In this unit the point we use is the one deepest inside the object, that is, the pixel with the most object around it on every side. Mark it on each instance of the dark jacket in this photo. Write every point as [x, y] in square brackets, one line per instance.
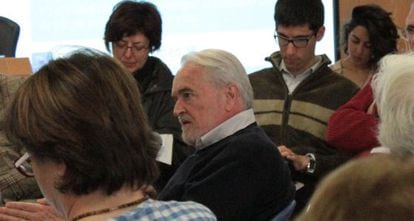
[155, 83]
[241, 177]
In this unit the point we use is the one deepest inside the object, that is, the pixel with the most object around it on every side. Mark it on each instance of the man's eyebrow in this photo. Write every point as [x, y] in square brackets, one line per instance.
[184, 90]
[297, 36]
[181, 91]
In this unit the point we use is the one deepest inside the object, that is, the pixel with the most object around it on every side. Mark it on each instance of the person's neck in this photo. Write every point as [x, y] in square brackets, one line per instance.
[350, 64]
[96, 201]
[309, 65]
[358, 73]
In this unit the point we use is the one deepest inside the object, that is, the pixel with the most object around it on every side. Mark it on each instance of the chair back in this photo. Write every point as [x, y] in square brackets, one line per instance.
[9, 34]
[285, 214]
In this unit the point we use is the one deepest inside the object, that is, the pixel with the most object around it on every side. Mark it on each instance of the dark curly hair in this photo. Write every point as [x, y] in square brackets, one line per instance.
[132, 17]
[382, 31]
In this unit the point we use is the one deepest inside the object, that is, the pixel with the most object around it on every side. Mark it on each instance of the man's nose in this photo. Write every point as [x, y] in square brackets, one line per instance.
[290, 48]
[178, 108]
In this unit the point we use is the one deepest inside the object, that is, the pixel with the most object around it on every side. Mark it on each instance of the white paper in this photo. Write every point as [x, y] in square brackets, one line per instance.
[166, 150]
[385, 150]
[298, 185]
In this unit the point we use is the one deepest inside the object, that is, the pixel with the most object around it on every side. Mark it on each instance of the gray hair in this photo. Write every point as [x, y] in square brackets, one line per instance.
[393, 89]
[223, 68]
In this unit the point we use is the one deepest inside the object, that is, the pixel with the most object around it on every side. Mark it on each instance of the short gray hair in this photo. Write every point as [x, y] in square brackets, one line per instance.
[223, 68]
[393, 88]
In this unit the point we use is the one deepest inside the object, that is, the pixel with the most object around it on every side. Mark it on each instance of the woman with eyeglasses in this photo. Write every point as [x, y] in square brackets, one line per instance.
[370, 35]
[132, 32]
[92, 152]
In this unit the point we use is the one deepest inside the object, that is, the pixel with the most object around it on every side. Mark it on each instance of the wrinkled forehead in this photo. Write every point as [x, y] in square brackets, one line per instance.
[188, 76]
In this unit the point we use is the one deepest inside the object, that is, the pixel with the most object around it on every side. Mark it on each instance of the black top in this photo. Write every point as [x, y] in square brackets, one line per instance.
[155, 83]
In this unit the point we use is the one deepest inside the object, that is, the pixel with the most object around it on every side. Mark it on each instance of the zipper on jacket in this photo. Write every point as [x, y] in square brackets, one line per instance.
[285, 118]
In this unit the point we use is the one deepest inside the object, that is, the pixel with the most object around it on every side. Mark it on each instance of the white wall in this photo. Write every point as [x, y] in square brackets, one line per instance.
[244, 28]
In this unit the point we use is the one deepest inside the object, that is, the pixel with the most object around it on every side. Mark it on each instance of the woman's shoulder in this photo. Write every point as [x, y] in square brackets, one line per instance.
[337, 67]
[164, 210]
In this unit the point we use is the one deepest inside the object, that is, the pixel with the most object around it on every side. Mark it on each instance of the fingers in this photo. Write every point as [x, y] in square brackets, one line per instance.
[18, 211]
[282, 147]
[24, 206]
[299, 161]
[39, 211]
[42, 201]
[284, 151]
[7, 214]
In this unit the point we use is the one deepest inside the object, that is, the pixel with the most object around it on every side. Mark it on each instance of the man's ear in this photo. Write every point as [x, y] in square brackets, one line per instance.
[232, 96]
[320, 33]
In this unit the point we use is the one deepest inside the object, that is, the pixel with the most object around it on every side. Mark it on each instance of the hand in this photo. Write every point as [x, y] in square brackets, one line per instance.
[300, 162]
[40, 211]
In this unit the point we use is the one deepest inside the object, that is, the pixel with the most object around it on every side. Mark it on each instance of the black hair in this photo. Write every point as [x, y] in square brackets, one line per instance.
[300, 12]
[132, 17]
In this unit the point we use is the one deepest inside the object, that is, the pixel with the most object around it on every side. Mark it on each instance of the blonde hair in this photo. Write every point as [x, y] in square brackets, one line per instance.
[377, 188]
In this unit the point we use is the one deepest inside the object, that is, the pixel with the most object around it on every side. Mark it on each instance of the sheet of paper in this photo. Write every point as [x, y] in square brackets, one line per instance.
[166, 151]
[385, 150]
[298, 185]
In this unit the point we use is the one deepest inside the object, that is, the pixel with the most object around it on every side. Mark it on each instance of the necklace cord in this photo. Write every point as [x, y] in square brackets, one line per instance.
[107, 210]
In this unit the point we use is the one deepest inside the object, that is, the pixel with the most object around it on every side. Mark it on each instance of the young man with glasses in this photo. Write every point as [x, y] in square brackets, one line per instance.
[295, 97]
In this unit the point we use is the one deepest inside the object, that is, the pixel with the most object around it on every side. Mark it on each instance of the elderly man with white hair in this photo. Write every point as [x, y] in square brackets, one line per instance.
[394, 95]
[236, 170]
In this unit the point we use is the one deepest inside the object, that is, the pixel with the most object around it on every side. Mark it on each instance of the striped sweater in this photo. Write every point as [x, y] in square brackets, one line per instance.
[299, 119]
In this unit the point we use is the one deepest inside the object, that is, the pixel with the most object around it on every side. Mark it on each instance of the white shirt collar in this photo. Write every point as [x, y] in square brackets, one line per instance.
[311, 69]
[292, 81]
[227, 128]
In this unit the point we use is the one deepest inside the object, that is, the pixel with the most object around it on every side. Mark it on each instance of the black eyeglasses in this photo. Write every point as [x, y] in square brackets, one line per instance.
[123, 46]
[299, 42]
[23, 165]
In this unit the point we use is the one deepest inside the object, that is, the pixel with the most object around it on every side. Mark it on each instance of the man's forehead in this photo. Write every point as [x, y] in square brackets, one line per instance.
[302, 27]
[186, 77]
[297, 30]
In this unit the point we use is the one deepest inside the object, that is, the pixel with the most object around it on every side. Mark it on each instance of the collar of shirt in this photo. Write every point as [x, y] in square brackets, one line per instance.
[292, 81]
[227, 128]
